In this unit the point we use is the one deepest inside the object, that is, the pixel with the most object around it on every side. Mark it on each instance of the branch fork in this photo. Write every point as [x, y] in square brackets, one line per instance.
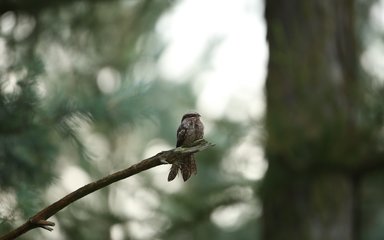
[47, 225]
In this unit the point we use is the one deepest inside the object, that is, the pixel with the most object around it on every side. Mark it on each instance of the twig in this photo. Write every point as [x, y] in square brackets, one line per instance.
[165, 157]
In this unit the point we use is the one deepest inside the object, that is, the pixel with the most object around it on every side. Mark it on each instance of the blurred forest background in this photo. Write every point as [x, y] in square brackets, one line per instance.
[82, 96]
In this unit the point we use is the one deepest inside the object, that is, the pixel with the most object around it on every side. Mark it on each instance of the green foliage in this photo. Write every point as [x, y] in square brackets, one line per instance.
[26, 142]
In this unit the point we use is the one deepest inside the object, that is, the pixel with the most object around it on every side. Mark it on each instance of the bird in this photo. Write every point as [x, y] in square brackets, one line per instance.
[190, 130]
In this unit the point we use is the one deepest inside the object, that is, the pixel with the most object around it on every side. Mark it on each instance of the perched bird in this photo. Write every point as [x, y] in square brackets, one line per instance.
[190, 130]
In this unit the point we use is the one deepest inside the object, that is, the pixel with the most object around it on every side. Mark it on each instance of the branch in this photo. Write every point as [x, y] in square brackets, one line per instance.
[165, 157]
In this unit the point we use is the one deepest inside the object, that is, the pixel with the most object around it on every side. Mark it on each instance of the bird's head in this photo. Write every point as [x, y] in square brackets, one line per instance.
[189, 115]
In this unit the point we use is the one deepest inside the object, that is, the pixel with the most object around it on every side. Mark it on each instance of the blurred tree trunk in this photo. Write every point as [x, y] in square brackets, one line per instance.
[312, 99]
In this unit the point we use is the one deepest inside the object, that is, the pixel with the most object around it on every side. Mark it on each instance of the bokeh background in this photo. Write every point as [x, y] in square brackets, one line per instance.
[91, 87]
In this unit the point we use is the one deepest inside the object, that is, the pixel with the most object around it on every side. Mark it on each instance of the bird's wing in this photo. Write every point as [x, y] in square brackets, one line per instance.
[181, 134]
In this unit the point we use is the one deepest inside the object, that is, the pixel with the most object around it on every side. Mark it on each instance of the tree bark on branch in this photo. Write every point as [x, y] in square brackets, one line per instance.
[164, 157]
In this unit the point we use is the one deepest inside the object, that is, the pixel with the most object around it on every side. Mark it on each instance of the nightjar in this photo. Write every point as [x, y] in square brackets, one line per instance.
[190, 130]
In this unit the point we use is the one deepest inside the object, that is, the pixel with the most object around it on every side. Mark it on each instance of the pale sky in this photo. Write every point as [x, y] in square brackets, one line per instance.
[372, 57]
[236, 76]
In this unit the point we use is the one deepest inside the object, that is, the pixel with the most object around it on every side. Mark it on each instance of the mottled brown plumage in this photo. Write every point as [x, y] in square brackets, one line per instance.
[190, 130]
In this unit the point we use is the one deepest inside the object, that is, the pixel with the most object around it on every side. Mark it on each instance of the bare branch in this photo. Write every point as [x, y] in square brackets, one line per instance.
[165, 157]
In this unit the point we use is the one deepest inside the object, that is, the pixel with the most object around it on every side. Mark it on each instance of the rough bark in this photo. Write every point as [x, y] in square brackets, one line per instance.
[312, 145]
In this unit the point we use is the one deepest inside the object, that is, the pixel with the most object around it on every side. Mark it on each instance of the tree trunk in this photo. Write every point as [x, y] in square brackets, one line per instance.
[312, 94]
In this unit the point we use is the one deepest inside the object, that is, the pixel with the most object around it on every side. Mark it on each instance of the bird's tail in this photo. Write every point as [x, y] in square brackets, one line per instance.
[173, 171]
[187, 167]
